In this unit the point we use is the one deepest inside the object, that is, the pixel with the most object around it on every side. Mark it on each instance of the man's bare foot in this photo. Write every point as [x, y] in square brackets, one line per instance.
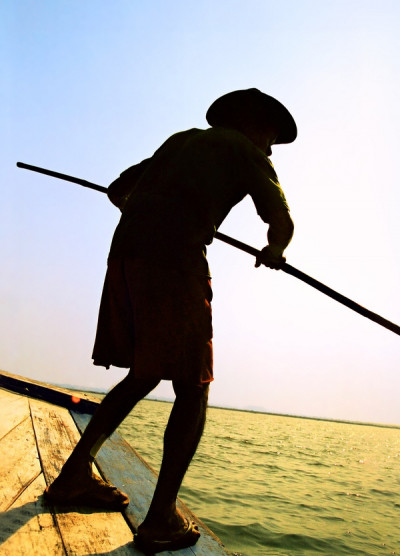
[87, 489]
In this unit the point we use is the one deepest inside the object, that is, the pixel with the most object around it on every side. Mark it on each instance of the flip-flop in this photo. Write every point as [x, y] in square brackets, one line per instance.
[99, 494]
[188, 537]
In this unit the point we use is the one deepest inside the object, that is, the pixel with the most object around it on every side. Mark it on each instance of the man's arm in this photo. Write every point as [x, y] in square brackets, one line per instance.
[119, 191]
[272, 207]
[279, 235]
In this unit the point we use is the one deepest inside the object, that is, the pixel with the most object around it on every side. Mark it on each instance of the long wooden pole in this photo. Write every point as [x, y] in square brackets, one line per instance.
[252, 251]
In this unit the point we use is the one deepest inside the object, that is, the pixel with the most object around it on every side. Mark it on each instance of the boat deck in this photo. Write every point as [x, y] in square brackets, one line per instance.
[39, 427]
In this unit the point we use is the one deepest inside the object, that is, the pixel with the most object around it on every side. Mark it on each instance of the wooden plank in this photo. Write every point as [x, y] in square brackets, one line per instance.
[28, 528]
[95, 533]
[56, 436]
[13, 410]
[83, 530]
[19, 462]
[125, 468]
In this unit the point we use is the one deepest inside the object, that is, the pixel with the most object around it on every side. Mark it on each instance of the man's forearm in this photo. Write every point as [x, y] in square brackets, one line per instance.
[280, 232]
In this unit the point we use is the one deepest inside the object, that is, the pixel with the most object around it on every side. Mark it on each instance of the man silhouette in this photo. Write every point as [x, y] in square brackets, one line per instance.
[155, 311]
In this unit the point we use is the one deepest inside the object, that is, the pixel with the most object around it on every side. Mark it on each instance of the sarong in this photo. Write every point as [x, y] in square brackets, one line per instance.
[157, 321]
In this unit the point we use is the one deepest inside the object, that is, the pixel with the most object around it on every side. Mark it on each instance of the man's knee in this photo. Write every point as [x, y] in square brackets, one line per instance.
[191, 391]
[131, 382]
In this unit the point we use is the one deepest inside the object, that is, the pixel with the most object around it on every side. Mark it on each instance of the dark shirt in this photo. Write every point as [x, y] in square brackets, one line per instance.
[173, 203]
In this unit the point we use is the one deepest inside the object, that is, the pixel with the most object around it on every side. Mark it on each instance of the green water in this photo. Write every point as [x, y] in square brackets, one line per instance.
[268, 484]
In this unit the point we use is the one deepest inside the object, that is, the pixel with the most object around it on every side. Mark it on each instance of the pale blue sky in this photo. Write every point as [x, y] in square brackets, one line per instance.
[89, 88]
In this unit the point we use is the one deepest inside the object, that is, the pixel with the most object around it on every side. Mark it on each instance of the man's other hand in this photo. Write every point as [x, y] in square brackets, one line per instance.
[270, 257]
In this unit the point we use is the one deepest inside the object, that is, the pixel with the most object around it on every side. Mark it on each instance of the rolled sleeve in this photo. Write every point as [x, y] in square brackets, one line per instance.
[265, 190]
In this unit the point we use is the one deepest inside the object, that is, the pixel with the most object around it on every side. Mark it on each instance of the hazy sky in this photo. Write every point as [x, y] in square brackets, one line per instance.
[90, 88]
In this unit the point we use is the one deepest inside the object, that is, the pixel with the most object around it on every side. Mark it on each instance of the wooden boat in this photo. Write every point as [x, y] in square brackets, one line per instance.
[39, 427]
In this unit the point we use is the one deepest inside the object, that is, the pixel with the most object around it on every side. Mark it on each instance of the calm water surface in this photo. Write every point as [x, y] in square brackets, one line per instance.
[267, 484]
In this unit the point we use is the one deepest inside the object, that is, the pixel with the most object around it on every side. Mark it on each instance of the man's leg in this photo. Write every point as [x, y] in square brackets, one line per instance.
[182, 436]
[76, 474]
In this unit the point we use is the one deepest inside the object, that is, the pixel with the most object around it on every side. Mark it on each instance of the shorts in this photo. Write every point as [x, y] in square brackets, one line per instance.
[157, 321]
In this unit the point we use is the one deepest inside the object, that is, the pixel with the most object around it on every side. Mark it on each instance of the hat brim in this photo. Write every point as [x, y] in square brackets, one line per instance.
[254, 107]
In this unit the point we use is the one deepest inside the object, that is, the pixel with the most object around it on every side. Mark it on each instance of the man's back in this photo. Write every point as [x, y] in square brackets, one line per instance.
[180, 196]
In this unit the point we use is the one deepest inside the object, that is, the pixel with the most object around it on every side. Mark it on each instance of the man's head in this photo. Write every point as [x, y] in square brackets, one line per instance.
[252, 111]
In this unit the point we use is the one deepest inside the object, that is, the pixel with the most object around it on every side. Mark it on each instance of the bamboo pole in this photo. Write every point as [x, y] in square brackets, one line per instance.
[250, 250]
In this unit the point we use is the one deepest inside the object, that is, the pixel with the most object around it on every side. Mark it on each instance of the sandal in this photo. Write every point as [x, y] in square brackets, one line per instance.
[97, 494]
[185, 538]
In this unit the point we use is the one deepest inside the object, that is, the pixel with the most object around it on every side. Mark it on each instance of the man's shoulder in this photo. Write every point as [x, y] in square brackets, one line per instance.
[218, 137]
[182, 136]
[211, 145]
[212, 133]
